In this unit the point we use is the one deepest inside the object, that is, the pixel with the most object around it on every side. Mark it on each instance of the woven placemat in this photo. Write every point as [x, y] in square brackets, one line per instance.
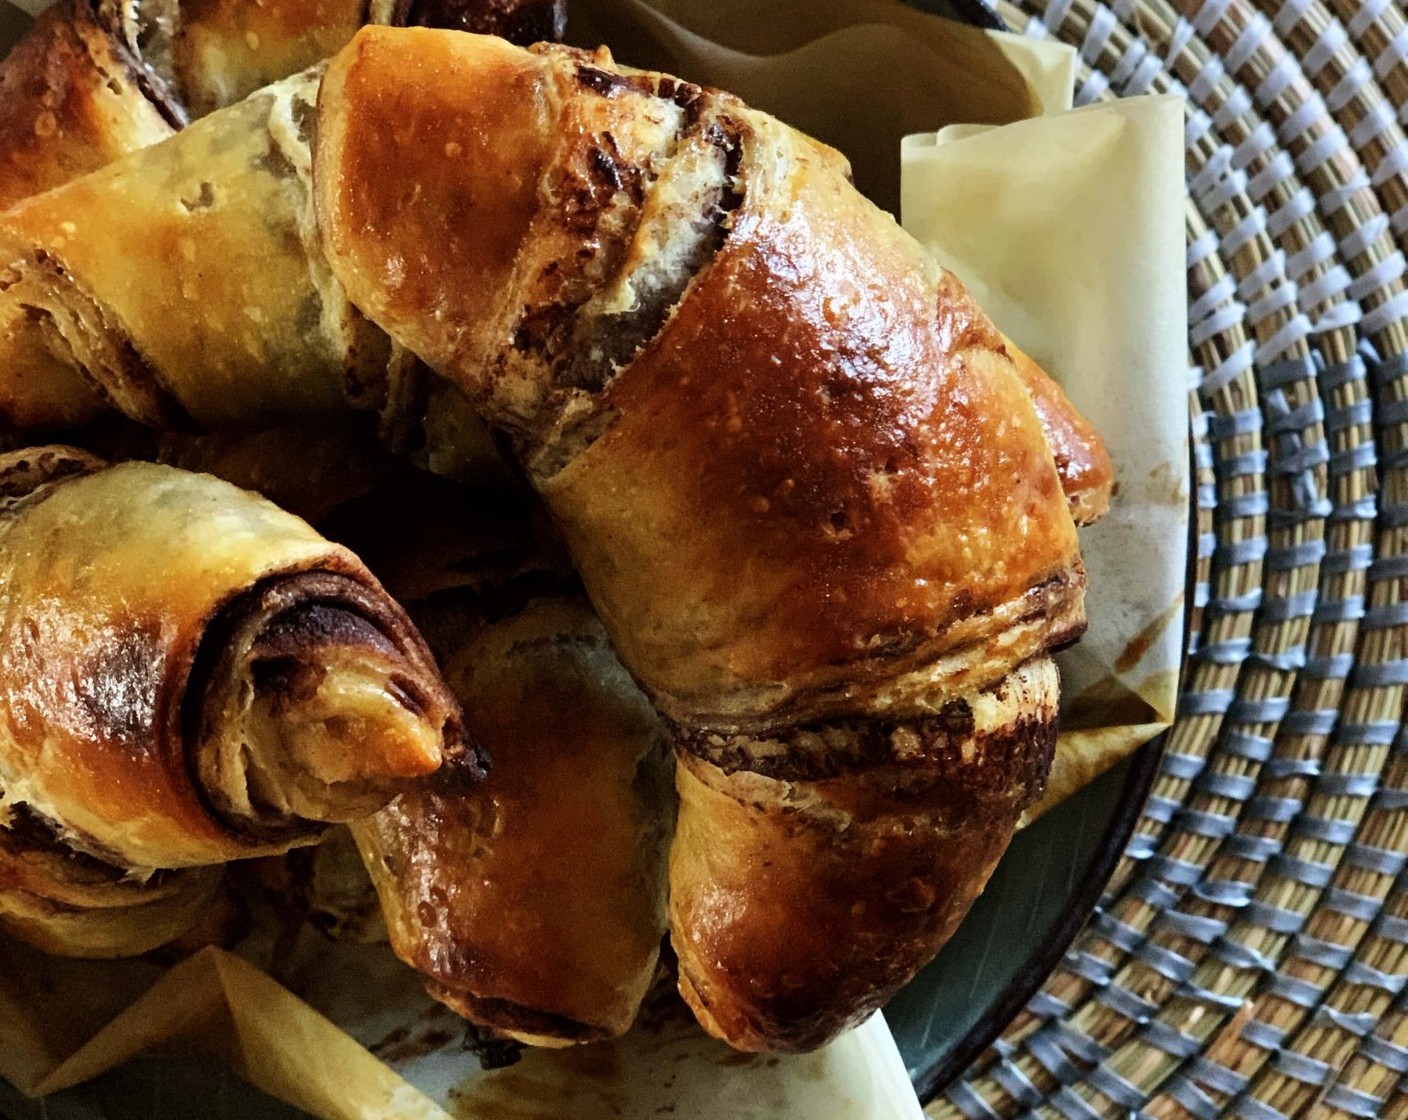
[1250, 954]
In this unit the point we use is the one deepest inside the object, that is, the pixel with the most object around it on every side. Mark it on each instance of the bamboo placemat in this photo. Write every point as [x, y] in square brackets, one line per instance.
[1250, 954]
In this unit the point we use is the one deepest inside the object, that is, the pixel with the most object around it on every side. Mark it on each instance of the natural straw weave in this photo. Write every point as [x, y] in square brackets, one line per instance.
[1250, 954]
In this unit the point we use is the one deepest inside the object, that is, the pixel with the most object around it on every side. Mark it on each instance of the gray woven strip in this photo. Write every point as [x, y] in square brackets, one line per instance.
[1377, 733]
[1354, 1102]
[1198, 1103]
[1183, 766]
[1266, 709]
[1244, 744]
[1082, 1046]
[1305, 871]
[1249, 1108]
[1255, 504]
[1231, 651]
[1224, 892]
[1295, 990]
[1263, 1034]
[1350, 785]
[1354, 559]
[1286, 557]
[1393, 412]
[1275, 918]
[1394, 516]
[1312, 1071]
[1216, 1076]
[1117, 933]
[1274, 808]
[969, 1101]
[1258, 849]
[1389, 567]
[1198, 927]
[1299, 605]
[1247, 463]
[1230, 425]
[1300, 460]
[1359, 1025]
[1089, 967]
[1202, 823]
[1044, 1005]
[1335, 374]
[1243, 956]
[1249, 551]
[1274, 375]
[1389, 614]
[1072, 1106]
[1391, 799]
[1380, 676]
[1279, 768]
[1285, 420]
[1156, 894]
[1328, 954]
[1361, 509]
[1116, 1088]
[1388, 1054]
[1385, 861]
[1319, 722]
[1161, 809]
[1334, 666]
[1211, 702]
[1359, 457]
[1222, 1002]
[1393, 927]
[1176, 871]
[1166, 962]
[1325, 829]
[1347, 416]
[1133, 1007]
[1015, 1082]
[1234, 787]
[1348, 609]
[1384, 370]
[1362, 906]
[1051, 1056]
[1360, 973]
[1236, 604]
[1159, 1034]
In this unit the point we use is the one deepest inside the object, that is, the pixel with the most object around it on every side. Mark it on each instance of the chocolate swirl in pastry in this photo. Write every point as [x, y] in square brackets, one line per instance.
[189, 675]
[806, 487]
[95, 79]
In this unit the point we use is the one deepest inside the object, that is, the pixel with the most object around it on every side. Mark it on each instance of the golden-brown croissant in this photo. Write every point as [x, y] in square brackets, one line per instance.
[188, 675]
[95, 79]
[805, 484]
[534, 903]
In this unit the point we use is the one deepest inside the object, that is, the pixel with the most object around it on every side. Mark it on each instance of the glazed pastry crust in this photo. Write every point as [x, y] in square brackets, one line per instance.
[805, 483]
[186, 668]
[71, 101]
[888, 481]
[535, 904]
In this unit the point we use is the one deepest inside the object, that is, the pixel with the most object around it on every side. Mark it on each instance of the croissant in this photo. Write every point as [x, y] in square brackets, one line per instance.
[188, 675]
[95, 79]
[533, 904]
[806, 487]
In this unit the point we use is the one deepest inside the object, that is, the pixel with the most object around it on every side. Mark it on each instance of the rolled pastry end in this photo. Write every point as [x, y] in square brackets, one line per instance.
[810, 879]
[320, 703]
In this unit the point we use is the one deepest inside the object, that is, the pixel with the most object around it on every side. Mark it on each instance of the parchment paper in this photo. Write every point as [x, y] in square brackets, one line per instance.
[1088, 205]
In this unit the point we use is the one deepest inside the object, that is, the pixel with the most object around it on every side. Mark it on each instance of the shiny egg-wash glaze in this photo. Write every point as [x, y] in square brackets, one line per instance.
[188, 675]
[805, 484]
[95, 79]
